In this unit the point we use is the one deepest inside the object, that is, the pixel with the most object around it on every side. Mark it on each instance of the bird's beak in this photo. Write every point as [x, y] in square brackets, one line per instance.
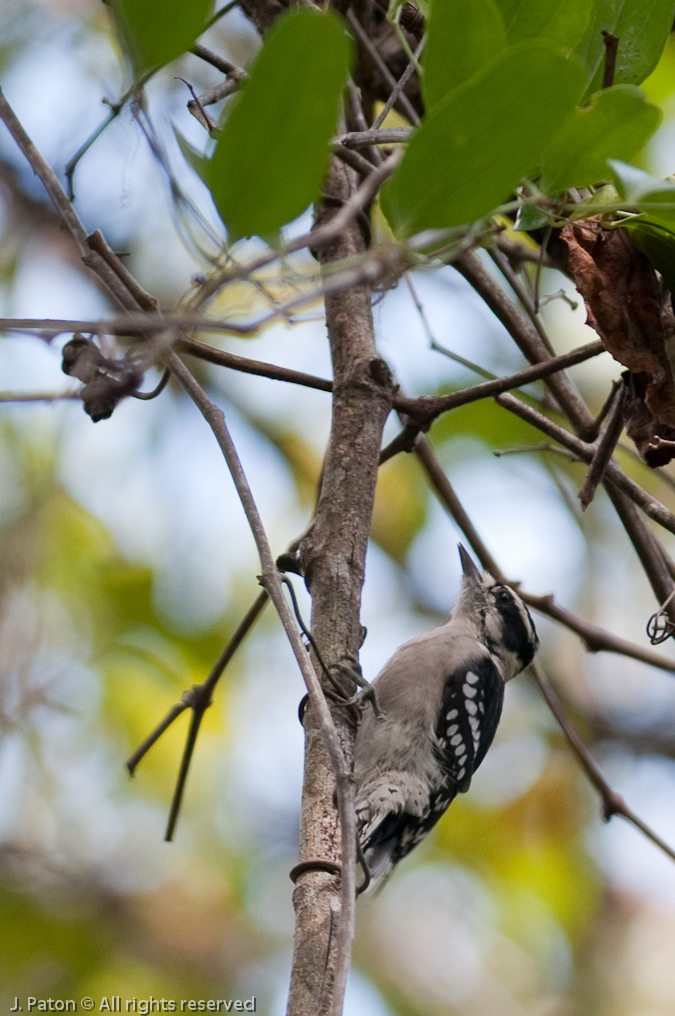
[468, 567]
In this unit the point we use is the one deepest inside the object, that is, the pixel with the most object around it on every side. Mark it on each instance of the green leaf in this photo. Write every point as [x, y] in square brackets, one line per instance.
[644, 191]
[153, 32]
[659, 246]
[273, 152]
[529, 217]
[633, 183]
[616, 124]
[642, 27]
[199, 162]
[559, 21]
[464, 35]
[482, 139]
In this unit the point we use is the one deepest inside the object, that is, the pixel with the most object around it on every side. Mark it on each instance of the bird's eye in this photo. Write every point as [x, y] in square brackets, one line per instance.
[503, 596]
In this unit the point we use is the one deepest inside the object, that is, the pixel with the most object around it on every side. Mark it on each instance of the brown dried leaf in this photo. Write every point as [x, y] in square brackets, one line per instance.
[654, 441]
[625, 306]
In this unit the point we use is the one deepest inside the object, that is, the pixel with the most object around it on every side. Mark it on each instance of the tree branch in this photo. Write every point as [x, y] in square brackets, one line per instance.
[246, 366]
[449, 499]
[425, 409]
[612, 803]
[404, 102]
[595, 639]
[373, 136]
[332, 557]
[502, 263]
[397, 90]
[604, 447]
[198, 699]
[527, 339]
[651, 506]
[38, 396]
[652, 556]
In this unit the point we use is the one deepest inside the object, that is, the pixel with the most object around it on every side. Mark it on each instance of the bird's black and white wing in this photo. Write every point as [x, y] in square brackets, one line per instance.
[471, 708]
[472, 705]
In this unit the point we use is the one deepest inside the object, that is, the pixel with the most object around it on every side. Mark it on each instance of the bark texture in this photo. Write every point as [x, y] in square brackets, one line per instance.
[333, 560]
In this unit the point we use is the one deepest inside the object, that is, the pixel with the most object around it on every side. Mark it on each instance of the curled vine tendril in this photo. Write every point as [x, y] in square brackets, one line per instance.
[659, 625]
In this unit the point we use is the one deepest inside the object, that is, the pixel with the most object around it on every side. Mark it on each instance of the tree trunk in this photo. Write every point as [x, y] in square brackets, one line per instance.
[333, 560]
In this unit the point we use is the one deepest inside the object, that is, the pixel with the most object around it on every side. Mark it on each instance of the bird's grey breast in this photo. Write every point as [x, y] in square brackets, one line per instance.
[410, 690]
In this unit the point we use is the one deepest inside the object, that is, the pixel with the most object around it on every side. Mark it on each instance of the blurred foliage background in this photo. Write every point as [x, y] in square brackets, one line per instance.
[125, 564]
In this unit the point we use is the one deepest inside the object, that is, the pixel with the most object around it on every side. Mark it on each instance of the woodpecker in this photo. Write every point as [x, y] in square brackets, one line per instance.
[440, 697]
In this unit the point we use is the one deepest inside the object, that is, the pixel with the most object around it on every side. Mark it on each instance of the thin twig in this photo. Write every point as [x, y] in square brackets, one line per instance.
[544, 446]
[200, 701]
[419, 306]
[132, 324]
[595, 639]
[98, 243]
[157, 390]
[200, 695]
[540, 263]
[559, 294]
[139, 324]
[215, 59]
[400, 85]
[652, 555]
[612, 803]
[651, 506]
[514, 282]
[72, 164]
[382, 136]
[197, 110]
[271, 581]
[518, 252]
[611, 49]
[115, 109]
[234, 77]
[449, 499]
[426, 408]
[403, 100]
[186, 759]
[59, 199]
[246, 366]
[363, 167]
[602, 416]
[221, 13]
[46, 175]
[37, 396]
[604, 448]
[323, 235]
[462, 360]
[356, 119]
[526, 338]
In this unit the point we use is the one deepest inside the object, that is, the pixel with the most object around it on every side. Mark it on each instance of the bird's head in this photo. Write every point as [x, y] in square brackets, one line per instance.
[498, 615]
